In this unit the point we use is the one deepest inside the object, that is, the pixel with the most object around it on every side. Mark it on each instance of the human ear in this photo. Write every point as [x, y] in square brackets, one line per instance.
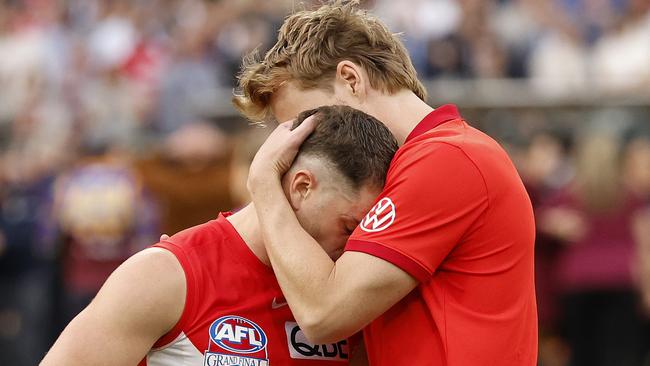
[301, 186]
[350, 79]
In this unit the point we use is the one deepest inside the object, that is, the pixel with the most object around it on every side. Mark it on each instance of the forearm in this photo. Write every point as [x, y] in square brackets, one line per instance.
[305, 272]
[330, 300]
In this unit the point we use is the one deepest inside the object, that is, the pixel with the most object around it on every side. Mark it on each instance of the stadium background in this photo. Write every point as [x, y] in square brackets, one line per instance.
[116, 125]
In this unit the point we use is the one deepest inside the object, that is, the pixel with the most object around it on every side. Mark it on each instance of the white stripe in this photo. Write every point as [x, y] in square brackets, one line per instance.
[180, 352]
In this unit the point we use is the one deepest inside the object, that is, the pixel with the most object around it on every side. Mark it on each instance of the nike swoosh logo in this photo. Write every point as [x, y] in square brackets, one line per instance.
[276, 305]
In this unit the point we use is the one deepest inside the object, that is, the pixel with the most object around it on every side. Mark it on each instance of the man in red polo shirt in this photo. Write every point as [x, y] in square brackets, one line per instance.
[440, 271]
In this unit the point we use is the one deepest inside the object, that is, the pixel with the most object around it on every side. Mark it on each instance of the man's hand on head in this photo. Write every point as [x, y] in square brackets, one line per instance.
[276, 155]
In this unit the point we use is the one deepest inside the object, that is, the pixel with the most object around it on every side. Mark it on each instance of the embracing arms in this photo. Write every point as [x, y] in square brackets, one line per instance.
[330, 300]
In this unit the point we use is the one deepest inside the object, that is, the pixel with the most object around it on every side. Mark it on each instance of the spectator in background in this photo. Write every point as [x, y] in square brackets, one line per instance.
[559, 58]
[622, 56]
[484, 54]
[102, 216]
[517, 27]
[636, 162]
[636, 166]
[35, 131]
[422, 22]
[191, 80]
[593, 217]
[189, 176]
[545, 168]
[25, 265]
[445, 58]
[448, 38]
[245, 147]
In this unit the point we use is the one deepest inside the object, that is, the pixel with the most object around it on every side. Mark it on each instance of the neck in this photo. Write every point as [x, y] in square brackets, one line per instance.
[247, 225]
[401, 112]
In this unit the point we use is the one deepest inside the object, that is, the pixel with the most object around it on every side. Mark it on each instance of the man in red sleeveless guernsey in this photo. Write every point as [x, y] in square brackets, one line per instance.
[440, 272]
[208, 296]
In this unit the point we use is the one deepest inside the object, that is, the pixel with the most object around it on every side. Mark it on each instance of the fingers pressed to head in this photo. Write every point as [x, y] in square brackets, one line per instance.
[306, 127]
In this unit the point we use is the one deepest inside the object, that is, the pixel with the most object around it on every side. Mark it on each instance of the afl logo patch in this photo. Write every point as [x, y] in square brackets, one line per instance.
[380, 216]
[238, 335]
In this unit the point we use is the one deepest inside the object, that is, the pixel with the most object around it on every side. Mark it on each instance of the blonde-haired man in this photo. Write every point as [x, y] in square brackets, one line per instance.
[440, 271]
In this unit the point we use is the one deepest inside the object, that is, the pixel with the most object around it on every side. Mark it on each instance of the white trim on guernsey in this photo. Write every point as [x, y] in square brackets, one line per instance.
[180, 352]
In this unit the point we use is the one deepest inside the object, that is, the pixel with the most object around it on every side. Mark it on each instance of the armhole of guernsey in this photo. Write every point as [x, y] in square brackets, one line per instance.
[188, 308]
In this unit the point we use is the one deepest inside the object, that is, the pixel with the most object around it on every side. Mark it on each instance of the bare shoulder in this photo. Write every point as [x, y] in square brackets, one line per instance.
[154, 281]
[155, 261]
[141, 301]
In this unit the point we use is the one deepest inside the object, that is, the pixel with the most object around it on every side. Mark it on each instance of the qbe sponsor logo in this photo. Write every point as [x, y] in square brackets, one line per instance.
[380, 216]
[244, 341]
[301, 348]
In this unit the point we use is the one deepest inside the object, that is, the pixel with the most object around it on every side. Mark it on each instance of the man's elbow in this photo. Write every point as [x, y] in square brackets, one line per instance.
[319, 329]
[320, 335]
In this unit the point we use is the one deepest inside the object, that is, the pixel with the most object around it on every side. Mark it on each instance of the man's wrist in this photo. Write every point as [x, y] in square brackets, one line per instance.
[262, 180]
[265, 189]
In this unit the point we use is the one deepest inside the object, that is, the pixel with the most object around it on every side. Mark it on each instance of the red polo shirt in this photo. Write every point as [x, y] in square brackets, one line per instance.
[455, 215]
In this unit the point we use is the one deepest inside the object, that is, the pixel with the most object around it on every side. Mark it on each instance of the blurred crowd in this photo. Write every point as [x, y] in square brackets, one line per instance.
[587, 171]
[115, 127]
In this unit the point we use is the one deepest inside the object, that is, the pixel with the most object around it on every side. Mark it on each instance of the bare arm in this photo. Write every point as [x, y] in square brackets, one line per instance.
[330, 300]
[141, 301]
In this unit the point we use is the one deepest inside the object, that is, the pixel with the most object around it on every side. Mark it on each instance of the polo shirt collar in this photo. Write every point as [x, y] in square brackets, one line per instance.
[434, 119]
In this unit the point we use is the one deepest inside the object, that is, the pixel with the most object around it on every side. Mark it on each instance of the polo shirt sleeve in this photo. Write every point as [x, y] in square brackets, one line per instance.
[434, 197]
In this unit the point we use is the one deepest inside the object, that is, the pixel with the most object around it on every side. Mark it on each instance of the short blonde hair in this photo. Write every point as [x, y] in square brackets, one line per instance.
[309, 47]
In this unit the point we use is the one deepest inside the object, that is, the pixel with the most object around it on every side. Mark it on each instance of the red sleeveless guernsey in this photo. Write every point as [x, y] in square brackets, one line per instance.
[235, 313]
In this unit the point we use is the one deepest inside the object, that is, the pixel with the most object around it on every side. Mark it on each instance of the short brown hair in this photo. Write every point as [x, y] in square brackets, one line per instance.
[355, 143]
[309, 47]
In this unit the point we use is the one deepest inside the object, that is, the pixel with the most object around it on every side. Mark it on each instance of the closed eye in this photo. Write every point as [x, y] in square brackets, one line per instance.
[349, 228]
[349, 224]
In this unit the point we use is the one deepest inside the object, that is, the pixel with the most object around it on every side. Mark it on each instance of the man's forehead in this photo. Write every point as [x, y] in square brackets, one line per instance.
[289, 100]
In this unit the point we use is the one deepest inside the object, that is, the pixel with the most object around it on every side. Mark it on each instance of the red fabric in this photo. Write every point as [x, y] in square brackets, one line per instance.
[226, 279]
[462, 224]
[390, 255]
